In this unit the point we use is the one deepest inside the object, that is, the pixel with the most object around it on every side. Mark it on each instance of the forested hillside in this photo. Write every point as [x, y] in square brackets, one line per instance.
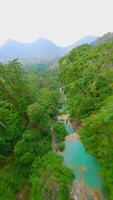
[29, 169]
[87, 77]
[32, 138]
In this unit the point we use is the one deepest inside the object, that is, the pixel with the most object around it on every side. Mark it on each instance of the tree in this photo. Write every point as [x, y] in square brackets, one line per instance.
[87, 77]
[50, 179]
[13, 87]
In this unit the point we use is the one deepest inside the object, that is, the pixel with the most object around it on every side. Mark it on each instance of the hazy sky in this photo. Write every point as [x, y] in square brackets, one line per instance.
[62, 21]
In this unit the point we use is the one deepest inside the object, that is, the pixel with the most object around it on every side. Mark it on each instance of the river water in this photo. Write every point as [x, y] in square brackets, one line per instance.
[84, 165]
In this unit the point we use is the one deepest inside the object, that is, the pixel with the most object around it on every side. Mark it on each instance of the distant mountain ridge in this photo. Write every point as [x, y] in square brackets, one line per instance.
[39, 51]
[88, 39]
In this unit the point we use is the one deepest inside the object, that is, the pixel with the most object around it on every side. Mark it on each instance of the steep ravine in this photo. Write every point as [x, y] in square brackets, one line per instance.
[88, 184]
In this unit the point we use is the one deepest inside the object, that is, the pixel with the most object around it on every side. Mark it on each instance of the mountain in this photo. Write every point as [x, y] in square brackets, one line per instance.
[84, 40]
[39, 51]
[108, 37]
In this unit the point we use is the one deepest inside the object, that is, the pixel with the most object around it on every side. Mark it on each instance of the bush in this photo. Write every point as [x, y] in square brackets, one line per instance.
[61, 146]
[60, 131]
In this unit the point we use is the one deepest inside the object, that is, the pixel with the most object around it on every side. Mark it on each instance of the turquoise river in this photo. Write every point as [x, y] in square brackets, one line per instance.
[84, 165]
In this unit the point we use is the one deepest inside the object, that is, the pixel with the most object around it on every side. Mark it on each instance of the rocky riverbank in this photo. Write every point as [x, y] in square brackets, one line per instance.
[80, 191]
[73, 136]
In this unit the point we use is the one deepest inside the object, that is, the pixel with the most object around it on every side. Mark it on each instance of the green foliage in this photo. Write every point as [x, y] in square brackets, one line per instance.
[60, 131]
[25, 148]
[13, 85]
[10, 182]
[49, 100]
[30, 146]
[12, 129]
[61, 146]
[3, 147]
[38, 67]
[28, 109]
[50, 178]
[98, 129]
[3, 160]
[87, 77]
